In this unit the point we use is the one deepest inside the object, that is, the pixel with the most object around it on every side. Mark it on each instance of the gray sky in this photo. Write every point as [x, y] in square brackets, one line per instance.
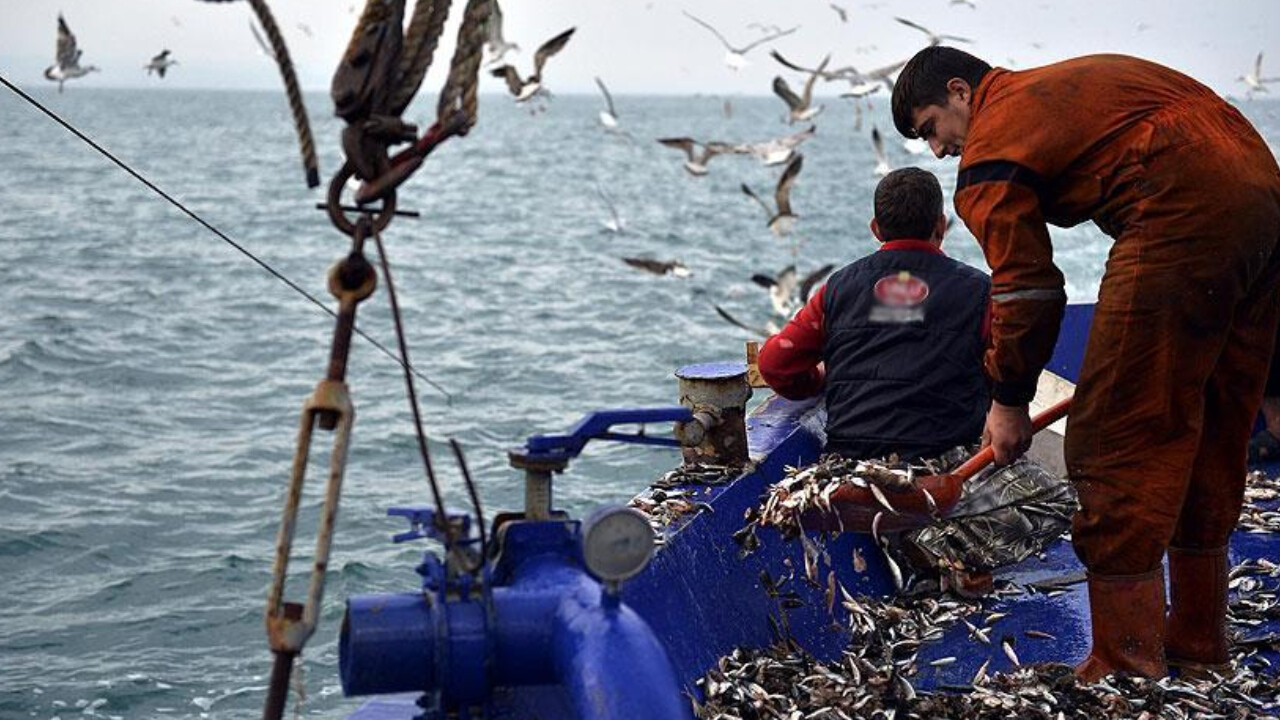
[647, 46]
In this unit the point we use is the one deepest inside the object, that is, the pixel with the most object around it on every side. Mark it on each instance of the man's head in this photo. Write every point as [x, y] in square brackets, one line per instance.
[932, 96]
[909, 207]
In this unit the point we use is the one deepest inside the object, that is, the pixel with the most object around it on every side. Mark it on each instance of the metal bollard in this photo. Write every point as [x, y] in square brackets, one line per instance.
[717, 394]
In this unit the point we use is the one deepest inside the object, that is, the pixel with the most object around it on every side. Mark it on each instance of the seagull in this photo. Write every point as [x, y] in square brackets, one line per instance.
[696, 163]
[860, 83]
[782, 220]
[844, 14]
[801, 108]
[970, 3]
[525, 89]
[305, 29]
[785, 293]
[1254, 80]
[159, 63]
[734, 57]
[658, 267]
[882, 161]
[934, 39]
[66, 64]
[495, 43]
[608, 118]
[776, 152]
[615, 223]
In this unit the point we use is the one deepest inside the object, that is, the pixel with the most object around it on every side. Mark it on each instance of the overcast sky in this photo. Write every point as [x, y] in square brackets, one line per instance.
[647, 46]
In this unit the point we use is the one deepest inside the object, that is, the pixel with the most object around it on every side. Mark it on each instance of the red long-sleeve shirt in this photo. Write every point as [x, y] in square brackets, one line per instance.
[791, 361]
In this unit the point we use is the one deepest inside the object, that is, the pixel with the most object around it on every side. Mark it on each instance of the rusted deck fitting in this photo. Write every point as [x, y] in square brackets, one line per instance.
[717, 393]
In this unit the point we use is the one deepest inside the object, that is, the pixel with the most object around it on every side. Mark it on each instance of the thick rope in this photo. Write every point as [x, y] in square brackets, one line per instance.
[464, 82]
[300, 121]
[420, 43]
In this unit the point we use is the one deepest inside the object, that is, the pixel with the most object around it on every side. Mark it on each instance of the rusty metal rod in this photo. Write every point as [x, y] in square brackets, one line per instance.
[278, 689]
[371, 210]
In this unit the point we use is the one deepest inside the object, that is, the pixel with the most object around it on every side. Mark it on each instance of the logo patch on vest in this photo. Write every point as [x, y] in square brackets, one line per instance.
[898, 297]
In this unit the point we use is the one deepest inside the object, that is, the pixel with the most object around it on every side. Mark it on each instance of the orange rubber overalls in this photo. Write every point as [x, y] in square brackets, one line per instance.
[1186, 313]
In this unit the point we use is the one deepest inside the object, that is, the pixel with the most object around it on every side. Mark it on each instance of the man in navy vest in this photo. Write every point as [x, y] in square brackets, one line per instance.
[895, 339]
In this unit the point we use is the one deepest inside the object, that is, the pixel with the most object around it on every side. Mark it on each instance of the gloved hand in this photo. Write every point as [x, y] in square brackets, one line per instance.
[1008, 431]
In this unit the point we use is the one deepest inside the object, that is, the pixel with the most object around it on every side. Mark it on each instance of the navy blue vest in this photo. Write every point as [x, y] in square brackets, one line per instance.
[904, 355]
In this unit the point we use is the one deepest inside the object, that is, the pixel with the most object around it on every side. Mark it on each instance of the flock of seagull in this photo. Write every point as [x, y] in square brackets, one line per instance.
[787, 291]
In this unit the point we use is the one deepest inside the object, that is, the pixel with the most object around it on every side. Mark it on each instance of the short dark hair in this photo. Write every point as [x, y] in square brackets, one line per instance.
[923, 81]
[908, 204]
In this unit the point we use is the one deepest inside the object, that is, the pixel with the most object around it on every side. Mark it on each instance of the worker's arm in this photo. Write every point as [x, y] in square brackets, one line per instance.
[999, 202]
[791, 361]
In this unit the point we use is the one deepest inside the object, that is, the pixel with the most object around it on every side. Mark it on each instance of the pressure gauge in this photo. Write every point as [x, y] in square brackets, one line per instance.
[617, 543]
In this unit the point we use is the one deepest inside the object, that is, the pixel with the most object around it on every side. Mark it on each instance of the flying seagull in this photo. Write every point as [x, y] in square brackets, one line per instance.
[615, 223]
[844, 14]
[1254, 80]
[305, 29]
[696, 162]
[735, 57]
[66, 64]
[860, 82]
[785, 292]
[801, 108]
[776, 152]
[160, 63]
[882, 161]
[658, 267]
[608, 118]
[781, 219]
[494, 42]
[934, 38]
[527, 88]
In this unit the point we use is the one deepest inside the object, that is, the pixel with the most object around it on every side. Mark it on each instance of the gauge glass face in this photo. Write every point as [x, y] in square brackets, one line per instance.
[617, 543]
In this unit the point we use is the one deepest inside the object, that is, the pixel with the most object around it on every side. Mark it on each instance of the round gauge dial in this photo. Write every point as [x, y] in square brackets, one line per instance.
[617, 543]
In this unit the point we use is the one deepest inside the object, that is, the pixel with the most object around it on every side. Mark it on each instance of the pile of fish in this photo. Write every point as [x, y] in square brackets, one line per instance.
[1260, 513]
[664, 506]
[811, 487]
[698, 474]
[873, 677]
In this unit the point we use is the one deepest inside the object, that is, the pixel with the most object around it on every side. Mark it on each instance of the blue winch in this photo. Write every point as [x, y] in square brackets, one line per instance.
[542, 611]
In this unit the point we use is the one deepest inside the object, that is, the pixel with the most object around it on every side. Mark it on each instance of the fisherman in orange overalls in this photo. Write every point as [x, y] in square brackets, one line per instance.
[1183, 329]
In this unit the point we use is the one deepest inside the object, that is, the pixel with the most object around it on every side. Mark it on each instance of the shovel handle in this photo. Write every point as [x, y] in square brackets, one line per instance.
[987, 455]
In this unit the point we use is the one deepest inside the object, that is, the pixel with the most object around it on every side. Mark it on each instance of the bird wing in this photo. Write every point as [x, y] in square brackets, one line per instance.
[680, 143]
[916, 26]
[493, 28]
[607, 97]
[508, 73]
[787, 63]
[783, 194]
[66, 54]
[765, 39]
[763, 280]
[812, 279]
[844, 14]
[549, 48]
[707, 25]
[957, 38]
[1257, 65]
[657, 267]
[783, 90]
[808, 85]
[877, 144]
[738, 323]
[795, 139]
[161, 57]
[746, 189]
[262, 43]
[882, 73]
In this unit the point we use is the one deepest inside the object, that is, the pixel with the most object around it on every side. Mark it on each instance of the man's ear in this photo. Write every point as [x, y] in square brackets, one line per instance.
[940, 228]
[875, 229]
[960, 87]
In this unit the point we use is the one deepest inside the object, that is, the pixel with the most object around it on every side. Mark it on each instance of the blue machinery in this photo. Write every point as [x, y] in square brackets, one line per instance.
[549, 629]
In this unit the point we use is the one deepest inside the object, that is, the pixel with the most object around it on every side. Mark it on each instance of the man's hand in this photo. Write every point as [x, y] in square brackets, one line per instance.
[1008, 431]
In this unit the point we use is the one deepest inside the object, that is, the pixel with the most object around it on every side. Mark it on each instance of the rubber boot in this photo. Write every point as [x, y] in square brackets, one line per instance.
[1196, 632]
[1128, 635]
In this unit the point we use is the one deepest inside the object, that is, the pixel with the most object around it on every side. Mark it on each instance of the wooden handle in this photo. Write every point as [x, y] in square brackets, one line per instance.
[987, 455]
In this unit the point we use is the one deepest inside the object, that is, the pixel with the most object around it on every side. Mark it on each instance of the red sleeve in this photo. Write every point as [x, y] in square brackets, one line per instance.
[791, 360]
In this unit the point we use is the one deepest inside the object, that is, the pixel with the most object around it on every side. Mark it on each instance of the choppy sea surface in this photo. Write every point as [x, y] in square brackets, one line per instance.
[151, 376]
